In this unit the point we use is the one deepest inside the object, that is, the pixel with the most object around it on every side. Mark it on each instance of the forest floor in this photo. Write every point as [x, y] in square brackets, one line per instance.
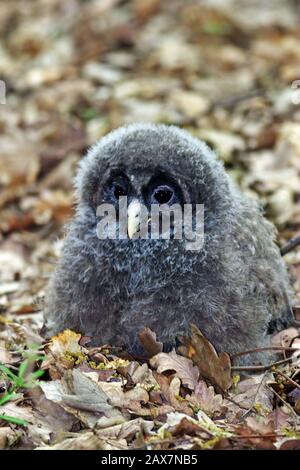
[225, 70]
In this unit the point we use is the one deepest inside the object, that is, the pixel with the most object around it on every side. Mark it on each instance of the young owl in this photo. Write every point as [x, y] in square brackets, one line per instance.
[235, 287]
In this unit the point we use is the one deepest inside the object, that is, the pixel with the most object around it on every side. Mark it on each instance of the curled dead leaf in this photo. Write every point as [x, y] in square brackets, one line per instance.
[66, 341]
[183, 367]
[216, 368]
[148, 340]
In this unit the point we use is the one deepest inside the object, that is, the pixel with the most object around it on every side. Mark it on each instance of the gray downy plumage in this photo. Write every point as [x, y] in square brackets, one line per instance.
[235, 289]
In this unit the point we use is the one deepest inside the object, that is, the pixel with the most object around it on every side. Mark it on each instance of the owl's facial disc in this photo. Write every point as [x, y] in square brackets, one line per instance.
[144, 191]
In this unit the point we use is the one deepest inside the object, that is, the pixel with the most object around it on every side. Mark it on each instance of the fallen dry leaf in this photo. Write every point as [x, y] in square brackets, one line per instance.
[185, 427]
[82, 397]
[121, 399]
[251, 441]
[126, 430]
[285, 337]
[62, 351]
[87, 441]
[20, 412]
[252, 392]
[144, 375]
[7, 437]
[171, 391]
[183, 367]
[216, 368]
[281, 419]
[206, 399]
[260, 426]
[292, 444]
[148, 340]
[51, 413]
[67, 341]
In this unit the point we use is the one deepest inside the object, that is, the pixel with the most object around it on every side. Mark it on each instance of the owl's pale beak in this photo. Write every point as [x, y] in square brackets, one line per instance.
[133, 218]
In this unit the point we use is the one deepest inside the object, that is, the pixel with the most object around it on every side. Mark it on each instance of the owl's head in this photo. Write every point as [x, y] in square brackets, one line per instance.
[154, 164]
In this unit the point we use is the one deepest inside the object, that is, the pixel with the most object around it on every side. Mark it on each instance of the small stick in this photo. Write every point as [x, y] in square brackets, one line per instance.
[254, 398]
[236, 403]
[257, 436]
[286, 404]
[261, 368]
[290, 245]
[270, 348]
[230, 101]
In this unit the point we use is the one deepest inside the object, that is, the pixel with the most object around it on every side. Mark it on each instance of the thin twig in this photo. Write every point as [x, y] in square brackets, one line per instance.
[270, 348]
[276, 417]
[231, 101]
[261, 368]
[258, 436]
[285, 403]
[254, 398]
[235, 402]
[290, 245]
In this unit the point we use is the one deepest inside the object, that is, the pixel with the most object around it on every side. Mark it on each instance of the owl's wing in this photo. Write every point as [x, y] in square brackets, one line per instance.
[267, 275]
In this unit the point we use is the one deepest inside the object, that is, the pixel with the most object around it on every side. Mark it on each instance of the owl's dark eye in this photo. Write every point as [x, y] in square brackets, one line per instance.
[116, 186]
[119, 191]
[162, 194]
